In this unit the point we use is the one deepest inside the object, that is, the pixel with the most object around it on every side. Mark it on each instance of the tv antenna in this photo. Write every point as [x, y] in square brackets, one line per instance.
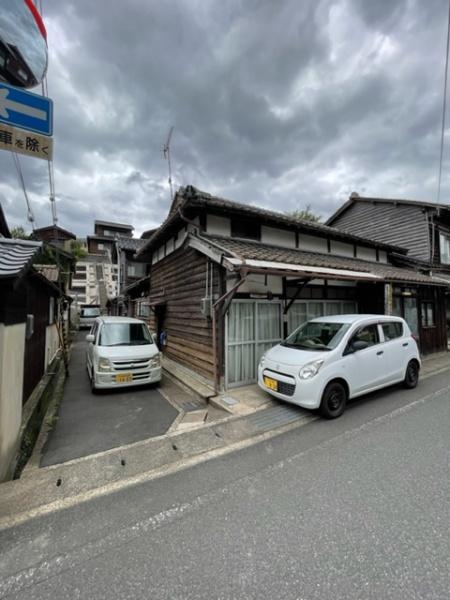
[166, 152]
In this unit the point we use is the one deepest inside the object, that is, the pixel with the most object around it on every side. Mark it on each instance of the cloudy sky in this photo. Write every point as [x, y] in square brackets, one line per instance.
[278, 103]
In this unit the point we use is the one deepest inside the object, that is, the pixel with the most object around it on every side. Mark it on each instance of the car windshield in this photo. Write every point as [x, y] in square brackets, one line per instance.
[124, 334]
[317, 335]
[90, 312]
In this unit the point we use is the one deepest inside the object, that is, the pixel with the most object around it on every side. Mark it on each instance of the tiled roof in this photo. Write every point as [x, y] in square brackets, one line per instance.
[16, 256]
[190, 197]
[54, 228]
[249, 250]
[130, 243]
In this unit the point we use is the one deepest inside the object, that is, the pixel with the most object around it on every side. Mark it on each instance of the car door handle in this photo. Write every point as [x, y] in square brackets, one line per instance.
[405, 344]
[380, 352]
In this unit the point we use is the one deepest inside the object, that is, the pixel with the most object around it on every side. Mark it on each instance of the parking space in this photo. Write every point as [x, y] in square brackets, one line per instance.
[89, 423]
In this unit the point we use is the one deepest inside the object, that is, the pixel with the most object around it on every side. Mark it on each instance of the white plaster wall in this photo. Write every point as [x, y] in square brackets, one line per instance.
[341, 248]
[277, 237]
[383, 256]
[311, 243]
[255, 285]
[12, 353]
[170, 246]
[366, 253]
[51, 344]
[217, 225]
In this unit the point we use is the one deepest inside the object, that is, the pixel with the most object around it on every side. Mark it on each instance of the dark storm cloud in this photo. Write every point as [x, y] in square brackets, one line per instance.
[281, 104]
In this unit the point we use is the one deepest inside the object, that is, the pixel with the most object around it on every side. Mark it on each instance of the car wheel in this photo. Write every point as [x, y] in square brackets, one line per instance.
[412, 375]
[334, 400]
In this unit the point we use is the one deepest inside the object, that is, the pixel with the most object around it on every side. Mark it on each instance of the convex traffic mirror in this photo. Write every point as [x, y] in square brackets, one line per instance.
[23, 44]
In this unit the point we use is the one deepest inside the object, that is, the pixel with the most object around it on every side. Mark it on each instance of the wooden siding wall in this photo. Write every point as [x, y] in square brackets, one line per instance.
[400, 224]
[180, 281]
[433, 339]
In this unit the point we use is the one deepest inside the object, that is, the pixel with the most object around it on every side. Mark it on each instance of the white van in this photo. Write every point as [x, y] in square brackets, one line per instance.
[121, 351]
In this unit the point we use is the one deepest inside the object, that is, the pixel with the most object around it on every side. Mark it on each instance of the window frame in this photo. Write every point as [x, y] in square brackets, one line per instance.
[402, 333]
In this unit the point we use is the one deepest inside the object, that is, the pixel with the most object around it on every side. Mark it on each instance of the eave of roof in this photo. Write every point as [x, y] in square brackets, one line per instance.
[237, 254]
[393, 201]
[190, 197]
[115, 225]
[53, 227]
[16, 256]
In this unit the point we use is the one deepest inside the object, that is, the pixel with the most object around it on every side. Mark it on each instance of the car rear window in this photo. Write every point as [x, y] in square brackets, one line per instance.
[90, 312]
[392, 330]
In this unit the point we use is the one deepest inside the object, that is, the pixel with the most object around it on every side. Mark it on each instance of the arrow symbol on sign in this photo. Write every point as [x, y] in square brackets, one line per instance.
[30, 111]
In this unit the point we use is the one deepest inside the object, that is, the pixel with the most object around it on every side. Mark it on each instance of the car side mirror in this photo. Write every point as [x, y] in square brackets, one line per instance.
[90, 338]
[359, 345]
[355, 346]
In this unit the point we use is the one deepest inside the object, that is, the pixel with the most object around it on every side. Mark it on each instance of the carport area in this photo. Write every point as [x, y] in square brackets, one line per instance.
[90, 423]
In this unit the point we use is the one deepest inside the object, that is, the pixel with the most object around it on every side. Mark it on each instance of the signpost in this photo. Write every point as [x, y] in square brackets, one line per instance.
[24, 142]
[26, 110]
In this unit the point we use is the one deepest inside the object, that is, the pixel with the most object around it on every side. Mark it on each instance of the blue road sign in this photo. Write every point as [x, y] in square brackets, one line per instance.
[26, 110]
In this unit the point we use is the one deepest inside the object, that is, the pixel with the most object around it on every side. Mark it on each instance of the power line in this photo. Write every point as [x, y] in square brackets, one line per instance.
[30, 214]
[444, 105]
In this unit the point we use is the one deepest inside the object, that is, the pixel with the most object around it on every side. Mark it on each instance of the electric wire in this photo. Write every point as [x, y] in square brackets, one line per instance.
[444, 106]
[18, 166]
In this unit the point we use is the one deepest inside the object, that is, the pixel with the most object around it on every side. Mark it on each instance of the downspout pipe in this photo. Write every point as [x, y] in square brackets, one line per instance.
[215, 310]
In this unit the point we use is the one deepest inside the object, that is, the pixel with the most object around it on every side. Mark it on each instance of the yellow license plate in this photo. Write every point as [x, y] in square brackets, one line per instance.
[271, 383]
[124, 378]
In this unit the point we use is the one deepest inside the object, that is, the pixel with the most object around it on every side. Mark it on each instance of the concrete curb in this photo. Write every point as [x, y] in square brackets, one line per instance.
[51, 413]
[58, 486]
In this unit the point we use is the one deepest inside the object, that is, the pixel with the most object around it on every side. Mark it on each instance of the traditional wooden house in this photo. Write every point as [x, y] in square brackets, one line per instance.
[227, 281]
[423, 228]
[29, 338]
[55, 235]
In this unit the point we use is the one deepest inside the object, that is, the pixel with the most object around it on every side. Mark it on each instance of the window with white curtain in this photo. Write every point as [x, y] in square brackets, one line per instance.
[256, 326]
[253, 328]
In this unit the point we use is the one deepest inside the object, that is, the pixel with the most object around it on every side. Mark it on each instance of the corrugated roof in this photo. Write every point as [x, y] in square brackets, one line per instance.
[249, 250]
[16, 256]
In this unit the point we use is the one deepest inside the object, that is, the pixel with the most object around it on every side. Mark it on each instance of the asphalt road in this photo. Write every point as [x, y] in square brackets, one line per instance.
[356, 508]
[90, 423]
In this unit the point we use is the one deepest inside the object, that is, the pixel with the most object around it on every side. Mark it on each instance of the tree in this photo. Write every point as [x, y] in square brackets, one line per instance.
[19, 233]
[78, 250]
[305, 214]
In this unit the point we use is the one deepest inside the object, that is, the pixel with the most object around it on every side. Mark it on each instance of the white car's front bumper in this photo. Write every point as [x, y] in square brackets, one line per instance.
[306, 393]
[110, 380]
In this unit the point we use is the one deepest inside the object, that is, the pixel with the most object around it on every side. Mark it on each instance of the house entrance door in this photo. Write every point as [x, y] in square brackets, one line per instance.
[252, 328]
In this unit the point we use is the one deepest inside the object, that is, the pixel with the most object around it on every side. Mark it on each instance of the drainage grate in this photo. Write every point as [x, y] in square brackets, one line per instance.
[276, 416]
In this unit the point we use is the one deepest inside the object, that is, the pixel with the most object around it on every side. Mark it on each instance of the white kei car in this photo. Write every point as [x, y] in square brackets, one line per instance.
[121, 351]
[328, 360]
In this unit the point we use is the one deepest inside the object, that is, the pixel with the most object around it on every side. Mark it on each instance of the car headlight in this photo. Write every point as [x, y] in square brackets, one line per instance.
[104, 364]
[155, 361]
[310, 370]
[262, 359]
